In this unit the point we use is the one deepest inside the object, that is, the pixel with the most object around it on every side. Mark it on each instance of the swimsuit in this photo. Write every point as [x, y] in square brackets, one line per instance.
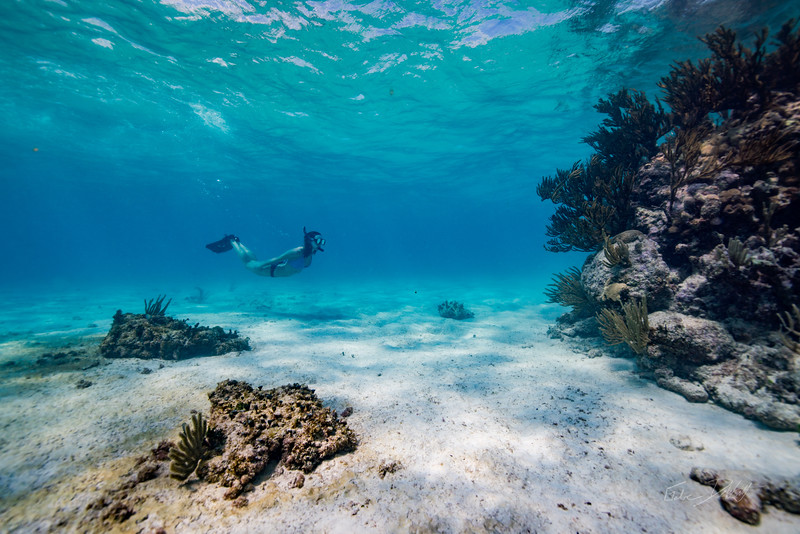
[298, 263]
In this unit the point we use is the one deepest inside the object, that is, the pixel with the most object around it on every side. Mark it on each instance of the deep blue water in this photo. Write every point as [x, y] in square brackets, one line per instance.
[411, 134]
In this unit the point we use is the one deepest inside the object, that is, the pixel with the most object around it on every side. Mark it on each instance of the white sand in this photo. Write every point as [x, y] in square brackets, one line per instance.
[497, 427]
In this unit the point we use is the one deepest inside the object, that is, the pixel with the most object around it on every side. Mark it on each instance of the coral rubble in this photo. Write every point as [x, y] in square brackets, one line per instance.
[710, 226]
[116, 504]
[744, 495]
[250, 428]
[149, 336]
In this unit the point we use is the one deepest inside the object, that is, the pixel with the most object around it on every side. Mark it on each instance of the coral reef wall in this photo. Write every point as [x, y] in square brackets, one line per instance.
[709, 233]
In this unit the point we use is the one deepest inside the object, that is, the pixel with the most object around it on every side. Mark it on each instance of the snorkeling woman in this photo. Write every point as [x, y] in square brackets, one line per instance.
[290, 262]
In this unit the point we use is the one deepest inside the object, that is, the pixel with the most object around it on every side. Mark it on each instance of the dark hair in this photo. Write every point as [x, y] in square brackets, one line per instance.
[308, 238]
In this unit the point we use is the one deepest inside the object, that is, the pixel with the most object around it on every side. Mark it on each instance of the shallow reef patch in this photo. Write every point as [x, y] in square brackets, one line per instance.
[251, 427]
[148, 336]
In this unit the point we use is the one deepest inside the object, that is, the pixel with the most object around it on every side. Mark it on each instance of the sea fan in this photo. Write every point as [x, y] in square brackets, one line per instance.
[154, 308]
[566, 289]
[189, 453]
[790, 329]
[631, 327]
[615, 253]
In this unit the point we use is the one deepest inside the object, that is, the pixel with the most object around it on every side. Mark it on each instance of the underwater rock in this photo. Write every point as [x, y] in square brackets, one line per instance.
[157, 336]
[45, 359]
[743, 504]
[651, 196]
[731, 194]
[645, 275]
[249, 428]
[689, 295]
[700, 360]
[57, 358]
[691, 391]
[755, 391]
[681, 340]
[718, 289]
[685, 443]
[570, 325]
[744, 494]
[80, 358]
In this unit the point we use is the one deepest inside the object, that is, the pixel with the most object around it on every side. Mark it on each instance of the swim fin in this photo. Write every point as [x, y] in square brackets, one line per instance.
[223, 245]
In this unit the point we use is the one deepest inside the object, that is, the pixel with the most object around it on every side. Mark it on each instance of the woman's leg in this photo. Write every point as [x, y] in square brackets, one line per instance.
[243, 252]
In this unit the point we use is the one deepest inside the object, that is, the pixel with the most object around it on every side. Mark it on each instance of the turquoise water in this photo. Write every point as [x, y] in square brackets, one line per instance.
[411, 134]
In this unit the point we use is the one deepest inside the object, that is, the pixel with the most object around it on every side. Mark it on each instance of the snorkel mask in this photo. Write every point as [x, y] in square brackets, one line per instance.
[316, 237]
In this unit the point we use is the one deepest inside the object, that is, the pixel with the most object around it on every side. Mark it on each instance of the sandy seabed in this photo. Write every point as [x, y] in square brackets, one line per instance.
[494, 426]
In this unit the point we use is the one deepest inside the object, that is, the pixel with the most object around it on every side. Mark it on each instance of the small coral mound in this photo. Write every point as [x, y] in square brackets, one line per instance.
[252, 427]
[154, 335]
[188, 454]
[454, 310]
